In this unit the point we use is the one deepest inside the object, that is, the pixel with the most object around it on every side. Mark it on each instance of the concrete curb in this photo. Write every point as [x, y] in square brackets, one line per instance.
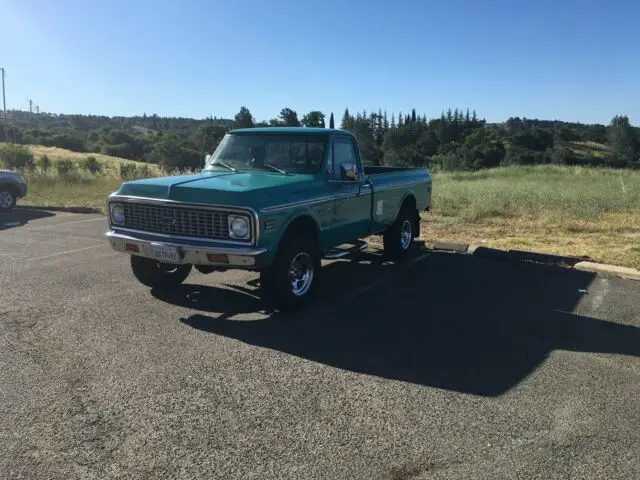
[577, 263]
[451, 247]
[487, 252]
[624, 272]
[548, 258]
[60, 209]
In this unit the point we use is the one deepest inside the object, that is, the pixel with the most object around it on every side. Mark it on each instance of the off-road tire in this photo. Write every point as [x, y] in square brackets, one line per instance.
[276, 282]
[154, 274]
[398, 238]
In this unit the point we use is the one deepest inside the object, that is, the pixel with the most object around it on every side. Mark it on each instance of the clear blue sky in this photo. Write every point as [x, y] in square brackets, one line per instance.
[573, 60]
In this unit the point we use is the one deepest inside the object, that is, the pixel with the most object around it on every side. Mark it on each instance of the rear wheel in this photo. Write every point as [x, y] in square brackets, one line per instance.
[152, 273]
[292, 279]
[7, 199]
[398, 238]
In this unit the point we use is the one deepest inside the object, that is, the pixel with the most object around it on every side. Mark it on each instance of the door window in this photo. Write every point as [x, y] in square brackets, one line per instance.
[344, 154]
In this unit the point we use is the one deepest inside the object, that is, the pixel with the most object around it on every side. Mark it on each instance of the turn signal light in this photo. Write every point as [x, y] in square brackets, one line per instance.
[130, 247]
[217, 258]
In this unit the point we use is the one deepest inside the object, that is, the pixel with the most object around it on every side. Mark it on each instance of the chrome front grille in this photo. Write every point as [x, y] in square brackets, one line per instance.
[179, 221]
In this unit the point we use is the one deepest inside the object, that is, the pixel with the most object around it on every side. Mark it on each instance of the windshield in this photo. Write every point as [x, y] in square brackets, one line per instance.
[288, 153]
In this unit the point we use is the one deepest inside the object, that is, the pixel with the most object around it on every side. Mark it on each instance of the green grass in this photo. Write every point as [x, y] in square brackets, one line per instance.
[561, 193]
[569, 210]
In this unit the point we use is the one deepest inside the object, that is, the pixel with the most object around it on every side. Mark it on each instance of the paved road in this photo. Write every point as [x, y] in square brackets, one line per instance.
[450, 367]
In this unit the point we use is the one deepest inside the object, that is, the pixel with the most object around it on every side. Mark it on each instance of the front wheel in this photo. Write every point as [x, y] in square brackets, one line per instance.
[7, 200]
[152, 273]
[398, 238]
[292, 279]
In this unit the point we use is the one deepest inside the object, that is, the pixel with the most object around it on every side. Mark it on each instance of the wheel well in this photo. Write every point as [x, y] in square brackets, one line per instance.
[9, 188]
[410, 204]
[304, 223]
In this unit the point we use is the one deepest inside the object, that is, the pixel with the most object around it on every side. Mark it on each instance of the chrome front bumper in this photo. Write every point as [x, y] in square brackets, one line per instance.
[218, 255]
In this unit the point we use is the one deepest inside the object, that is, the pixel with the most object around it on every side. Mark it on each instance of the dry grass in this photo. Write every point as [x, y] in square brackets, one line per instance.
[76, 190]
[567, 210]
[80, 187]
[589, 149]
[56, 154]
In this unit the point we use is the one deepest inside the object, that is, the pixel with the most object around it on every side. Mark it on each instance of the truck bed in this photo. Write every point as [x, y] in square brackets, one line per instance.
[379, 170]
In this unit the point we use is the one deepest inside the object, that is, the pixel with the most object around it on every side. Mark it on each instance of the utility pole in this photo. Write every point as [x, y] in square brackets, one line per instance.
[4, 99]
[30, 111]
[4, 107]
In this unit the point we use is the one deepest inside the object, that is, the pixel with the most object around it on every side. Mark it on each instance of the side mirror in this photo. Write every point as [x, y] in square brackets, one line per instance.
[349, 171]
[206, 158]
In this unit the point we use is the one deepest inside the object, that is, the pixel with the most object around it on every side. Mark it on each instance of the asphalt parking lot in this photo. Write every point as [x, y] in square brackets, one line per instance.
[448, 367]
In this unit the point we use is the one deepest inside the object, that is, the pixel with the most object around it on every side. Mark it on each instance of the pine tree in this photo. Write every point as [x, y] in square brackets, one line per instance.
[467, 118]
[474, 118]
[424, 119]
[413, 115]
[400, 119]
[449, 116]
[346, 120]
[393, 120]
[331, 123]
[385, 122]
[456, 116]
[407, 119]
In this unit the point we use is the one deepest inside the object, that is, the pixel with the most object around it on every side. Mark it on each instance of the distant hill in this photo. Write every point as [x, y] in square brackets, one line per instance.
[457, 140]
[181, 126]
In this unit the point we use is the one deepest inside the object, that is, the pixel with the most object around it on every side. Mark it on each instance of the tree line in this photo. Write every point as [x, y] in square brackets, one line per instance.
[456, 140]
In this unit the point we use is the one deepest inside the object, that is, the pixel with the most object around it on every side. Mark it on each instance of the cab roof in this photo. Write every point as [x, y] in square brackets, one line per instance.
[290, 131]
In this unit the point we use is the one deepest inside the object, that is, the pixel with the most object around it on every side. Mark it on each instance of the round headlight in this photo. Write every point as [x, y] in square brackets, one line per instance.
[117, 213]
[238, 227]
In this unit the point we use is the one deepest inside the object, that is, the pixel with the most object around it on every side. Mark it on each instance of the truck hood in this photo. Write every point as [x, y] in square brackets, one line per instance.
[243, 189]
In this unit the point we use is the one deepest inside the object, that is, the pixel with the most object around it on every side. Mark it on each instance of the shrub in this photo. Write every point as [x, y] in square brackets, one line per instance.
[144, 171]
[64, 167]
[120, 150]
[16, 156]
[561, 155]
[43, 163]
[92, 165]
[128, 170]
[68, 141]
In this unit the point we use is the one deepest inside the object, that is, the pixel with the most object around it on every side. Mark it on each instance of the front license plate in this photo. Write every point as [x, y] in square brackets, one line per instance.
[165, 254]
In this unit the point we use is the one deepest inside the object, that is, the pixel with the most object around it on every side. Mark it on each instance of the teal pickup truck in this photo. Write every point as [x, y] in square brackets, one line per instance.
[273, 200]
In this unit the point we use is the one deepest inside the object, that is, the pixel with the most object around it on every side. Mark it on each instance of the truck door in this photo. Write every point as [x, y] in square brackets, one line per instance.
[353, 196]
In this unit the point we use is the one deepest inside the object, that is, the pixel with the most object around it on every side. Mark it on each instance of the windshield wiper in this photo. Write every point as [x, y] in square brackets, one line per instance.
[218, 162]
[273, 167]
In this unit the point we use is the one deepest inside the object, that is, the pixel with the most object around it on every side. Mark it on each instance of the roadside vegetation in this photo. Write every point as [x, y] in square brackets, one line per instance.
[58, 177]
[556, 209]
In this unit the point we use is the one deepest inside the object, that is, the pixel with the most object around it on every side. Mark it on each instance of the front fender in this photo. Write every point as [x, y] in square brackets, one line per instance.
[274, 224]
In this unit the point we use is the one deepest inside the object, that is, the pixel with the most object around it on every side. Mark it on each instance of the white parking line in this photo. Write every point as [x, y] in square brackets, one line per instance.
[66, 252]
[104, 219]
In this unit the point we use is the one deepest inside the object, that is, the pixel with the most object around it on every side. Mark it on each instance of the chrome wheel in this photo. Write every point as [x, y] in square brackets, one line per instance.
[406, 234]
[6, 200]
[301, 273]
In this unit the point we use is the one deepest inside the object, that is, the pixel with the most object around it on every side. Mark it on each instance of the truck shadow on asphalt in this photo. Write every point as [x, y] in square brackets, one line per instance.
[20, 216]
[450, 321]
